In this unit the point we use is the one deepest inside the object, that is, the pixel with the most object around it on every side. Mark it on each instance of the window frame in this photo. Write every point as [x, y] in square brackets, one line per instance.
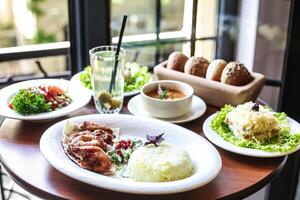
[284, 186]
[89, 26]
[159, 38]
[34, 51]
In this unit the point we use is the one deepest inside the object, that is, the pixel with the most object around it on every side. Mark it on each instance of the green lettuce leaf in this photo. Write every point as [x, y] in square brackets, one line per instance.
[85, 77]
[136, 76]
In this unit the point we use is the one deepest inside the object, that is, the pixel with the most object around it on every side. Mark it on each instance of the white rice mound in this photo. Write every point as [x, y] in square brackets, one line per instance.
[159, 164]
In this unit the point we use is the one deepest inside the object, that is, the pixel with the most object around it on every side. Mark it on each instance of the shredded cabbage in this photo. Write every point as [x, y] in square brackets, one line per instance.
[285, 141]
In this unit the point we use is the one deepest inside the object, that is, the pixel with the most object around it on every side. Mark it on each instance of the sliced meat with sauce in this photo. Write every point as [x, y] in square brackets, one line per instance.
[87, 146]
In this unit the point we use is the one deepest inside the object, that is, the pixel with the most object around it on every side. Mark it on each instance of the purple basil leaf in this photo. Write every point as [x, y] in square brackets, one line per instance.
[155, 140]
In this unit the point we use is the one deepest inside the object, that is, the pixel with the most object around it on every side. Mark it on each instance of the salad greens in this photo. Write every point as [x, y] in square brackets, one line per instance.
[85, 77]
[122, 151]
[28, 102]
[135, 76]
[283, 142]
[39, 99]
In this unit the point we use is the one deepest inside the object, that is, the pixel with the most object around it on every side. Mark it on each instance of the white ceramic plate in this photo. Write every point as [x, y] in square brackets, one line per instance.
[206, 159]
[79, 95]
[76, 80]
[215, 138]
[198, 108]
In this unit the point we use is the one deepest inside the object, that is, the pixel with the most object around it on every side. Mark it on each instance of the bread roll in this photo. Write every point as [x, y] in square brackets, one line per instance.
[236, 73]
[215, 69]
[176, 61]
[196, 66]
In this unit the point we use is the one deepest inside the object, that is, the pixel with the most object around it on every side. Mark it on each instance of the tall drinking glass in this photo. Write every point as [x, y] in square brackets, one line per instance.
[102, 60]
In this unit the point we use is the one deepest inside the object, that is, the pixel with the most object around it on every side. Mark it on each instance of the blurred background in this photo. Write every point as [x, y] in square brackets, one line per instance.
[251, 31]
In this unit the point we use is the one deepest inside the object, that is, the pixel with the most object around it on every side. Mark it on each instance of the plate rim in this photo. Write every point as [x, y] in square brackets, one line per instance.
[141, 189]
[174, 121]
[210, 134]
[40, 116]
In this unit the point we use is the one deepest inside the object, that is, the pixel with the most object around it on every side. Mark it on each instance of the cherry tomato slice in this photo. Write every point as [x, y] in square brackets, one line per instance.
[11, 106]
[54, 91]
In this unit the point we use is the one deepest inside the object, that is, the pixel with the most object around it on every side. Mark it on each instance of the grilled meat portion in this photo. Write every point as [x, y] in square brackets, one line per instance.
[87, 147]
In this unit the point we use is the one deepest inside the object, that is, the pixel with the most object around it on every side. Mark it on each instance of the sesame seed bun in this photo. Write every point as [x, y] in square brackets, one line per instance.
[196, 66]
[236, 73]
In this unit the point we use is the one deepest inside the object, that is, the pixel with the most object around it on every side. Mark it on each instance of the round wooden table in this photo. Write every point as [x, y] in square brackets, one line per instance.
[240, 176]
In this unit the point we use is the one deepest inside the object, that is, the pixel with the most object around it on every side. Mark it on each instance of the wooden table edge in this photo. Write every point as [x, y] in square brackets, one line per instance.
[258, 185]
[27, 186]
[238, 195]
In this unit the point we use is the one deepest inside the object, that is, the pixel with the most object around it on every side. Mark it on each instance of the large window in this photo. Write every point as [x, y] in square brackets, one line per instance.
[156, 28]
[38, 30]
[28, 27]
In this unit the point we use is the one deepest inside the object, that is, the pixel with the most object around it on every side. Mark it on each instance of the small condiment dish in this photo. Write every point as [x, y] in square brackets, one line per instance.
[167, 108]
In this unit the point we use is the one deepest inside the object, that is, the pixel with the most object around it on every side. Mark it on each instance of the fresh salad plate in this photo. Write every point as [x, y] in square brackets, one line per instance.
[285, 142]
[76, 81]
[135, 77]
[204, 158]
[198, 108]
[26, 104]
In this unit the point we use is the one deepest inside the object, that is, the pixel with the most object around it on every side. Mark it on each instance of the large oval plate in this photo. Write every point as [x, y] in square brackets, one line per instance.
[205, 157]
[80, 97]
[215, 138]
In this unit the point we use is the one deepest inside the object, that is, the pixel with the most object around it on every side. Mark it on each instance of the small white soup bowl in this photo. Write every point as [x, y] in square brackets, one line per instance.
[167, 108]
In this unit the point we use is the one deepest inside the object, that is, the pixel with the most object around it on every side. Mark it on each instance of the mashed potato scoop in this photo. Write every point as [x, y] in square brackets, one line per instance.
[159, 164]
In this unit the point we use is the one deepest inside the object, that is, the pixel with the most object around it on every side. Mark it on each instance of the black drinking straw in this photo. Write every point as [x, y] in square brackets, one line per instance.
[114, 72]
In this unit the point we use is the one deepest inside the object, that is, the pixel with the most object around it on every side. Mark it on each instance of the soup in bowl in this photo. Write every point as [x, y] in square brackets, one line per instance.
[167, 98]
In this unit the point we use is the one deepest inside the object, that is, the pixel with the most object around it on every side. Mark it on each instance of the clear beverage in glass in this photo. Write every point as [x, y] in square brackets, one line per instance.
[102, 60]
